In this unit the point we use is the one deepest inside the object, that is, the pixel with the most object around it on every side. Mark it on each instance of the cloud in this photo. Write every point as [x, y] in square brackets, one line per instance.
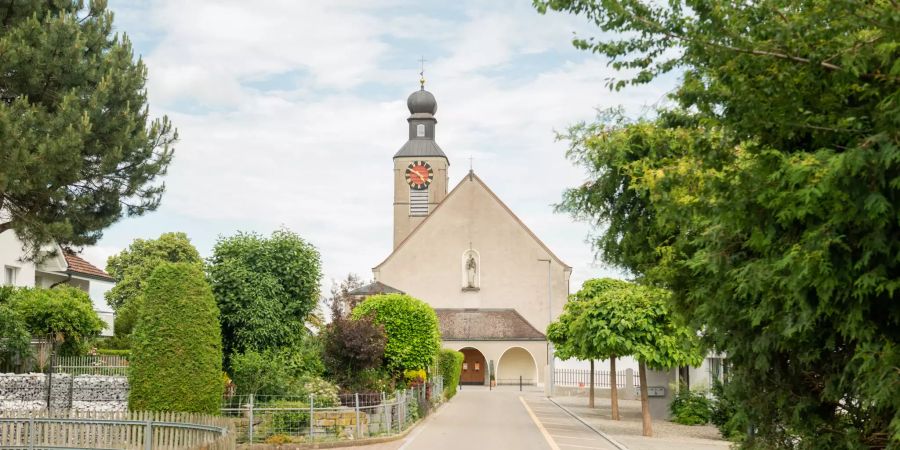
[289, 114]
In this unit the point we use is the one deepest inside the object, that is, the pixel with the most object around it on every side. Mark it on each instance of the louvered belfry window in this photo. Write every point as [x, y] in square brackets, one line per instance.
[418, 202]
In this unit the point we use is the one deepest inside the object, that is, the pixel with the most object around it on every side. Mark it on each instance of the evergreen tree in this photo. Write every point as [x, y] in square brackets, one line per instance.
[78, 149]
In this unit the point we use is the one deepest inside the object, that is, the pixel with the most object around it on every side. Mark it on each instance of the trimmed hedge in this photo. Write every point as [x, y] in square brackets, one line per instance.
[411, 326]
[450, 364]
[176, 355]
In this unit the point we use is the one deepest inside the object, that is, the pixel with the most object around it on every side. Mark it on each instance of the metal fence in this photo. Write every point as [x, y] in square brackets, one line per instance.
[582, 378]
[90, 365]
[282, 419]
[114, 430]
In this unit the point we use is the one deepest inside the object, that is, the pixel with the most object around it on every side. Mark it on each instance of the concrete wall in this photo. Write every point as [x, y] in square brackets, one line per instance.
[495, 350]
[429, 264]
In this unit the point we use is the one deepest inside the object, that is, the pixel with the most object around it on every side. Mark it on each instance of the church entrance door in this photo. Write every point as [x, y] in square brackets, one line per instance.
[473, 368]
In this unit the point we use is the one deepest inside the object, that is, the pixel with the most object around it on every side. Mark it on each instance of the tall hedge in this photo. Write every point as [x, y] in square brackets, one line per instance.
[176, 356]
[450, 364]
[411, 326]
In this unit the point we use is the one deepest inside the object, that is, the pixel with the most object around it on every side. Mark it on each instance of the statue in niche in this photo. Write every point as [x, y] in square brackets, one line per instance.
[471, 270]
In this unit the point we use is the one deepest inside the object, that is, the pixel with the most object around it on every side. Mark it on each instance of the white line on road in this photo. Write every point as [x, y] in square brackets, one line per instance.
[537, 422]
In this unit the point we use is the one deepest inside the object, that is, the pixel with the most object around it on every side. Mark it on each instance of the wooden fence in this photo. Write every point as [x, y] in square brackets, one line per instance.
[91, 365]
[115, 430]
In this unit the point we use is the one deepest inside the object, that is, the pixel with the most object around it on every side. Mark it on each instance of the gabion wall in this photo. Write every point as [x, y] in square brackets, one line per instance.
[29, 391]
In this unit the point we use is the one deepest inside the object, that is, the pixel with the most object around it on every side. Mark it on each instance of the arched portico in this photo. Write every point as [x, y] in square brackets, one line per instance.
[474, 370]
[514, 363]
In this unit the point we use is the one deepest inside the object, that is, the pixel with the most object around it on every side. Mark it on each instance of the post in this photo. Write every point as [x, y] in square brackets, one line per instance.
[50, 379]
[384, 407]
[550, 355]
[356, 400]
[312, 417]
[71, 389]
[520, 383]
[250, 416]
[148, 435]
[31, 431]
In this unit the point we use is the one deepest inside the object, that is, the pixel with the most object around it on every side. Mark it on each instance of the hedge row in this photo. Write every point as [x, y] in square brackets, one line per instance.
[450, 364]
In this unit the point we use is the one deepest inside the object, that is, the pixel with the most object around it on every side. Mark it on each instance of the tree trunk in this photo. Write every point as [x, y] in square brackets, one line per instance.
[613, 388]
[645, 402]
[591, 401]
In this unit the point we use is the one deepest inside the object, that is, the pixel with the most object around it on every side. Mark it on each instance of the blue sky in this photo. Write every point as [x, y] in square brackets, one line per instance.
[289, 113]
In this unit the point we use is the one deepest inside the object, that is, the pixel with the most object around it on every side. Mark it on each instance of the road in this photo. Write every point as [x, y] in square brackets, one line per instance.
[478, 418]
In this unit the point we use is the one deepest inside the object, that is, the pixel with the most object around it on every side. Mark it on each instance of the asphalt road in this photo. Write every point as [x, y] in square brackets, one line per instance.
[504, 418]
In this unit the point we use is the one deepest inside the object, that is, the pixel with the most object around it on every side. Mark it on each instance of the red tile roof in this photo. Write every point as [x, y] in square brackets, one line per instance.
[82, 267]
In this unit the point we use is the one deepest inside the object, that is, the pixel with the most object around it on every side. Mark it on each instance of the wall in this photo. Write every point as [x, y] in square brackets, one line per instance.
[25, 392]
[10, 255]
[429, 264]
[494, 351]
[516, 362]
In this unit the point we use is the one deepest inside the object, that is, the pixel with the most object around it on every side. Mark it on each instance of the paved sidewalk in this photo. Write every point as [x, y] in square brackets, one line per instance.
[667, 435]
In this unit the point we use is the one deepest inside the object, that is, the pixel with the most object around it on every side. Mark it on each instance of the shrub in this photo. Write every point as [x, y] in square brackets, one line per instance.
[65, 314]
[14, 339]
[724, 413]
[352, 349]
[275, 371]
[113, 352]
[450, 364]
[411, 326]
[690, 408]
[176, 362]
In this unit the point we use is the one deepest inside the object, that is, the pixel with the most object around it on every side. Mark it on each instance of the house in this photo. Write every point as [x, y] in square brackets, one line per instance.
[64, 267]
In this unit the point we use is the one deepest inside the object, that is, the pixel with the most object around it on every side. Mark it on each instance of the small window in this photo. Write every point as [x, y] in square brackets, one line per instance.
[10, 274]
[420, 130]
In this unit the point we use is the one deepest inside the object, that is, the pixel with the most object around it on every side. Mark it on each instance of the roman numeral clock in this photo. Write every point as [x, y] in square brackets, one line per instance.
[419, 175]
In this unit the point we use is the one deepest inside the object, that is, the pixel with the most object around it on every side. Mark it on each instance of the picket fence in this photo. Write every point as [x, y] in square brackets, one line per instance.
[67, 429]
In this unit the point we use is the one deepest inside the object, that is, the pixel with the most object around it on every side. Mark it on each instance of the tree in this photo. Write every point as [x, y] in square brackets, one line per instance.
[14, 338]
[572, 336]
[64, 315]
[176, 356]
[613, 318]
[79, 149]
[341, 302]
[765, 198]
[351, 347]
[131, 268]
[411, 326]
[265, 288]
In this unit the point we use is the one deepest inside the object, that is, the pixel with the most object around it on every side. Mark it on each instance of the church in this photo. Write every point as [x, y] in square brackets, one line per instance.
[494, 285]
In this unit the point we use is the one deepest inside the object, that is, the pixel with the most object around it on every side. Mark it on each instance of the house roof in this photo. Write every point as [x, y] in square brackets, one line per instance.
[374, 288]
[481, 324]
[471, 177]
[79, 266]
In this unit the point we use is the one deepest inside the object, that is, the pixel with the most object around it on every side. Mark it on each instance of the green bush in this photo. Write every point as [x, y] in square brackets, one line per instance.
[450, 364]
[176, 362]
[14, 339]
[411, 326]
[113, 352]
[64, 313]
[690, 408]
[276, 371]
[725, 415]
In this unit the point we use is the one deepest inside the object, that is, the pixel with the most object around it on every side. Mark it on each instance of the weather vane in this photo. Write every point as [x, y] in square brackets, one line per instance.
[422, 72]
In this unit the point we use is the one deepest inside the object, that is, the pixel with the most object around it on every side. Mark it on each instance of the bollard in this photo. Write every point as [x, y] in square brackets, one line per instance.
[520, 383]
[250, 431]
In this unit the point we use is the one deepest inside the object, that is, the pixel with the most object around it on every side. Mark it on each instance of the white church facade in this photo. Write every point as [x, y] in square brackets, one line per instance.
[493, 283]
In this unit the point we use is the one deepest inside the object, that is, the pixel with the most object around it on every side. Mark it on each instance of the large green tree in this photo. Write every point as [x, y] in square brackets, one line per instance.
[78, 149]
[64, 315]
[411, 326]
[265, 288]
[765, 198]
[133, 266]
[612, 318]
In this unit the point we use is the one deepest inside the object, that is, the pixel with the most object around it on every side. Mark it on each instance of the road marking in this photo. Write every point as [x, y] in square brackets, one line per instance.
[580, 446]
[574, 437]
[537, 422]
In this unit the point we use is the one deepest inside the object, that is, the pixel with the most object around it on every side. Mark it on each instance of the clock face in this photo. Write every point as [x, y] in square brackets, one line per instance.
[419, 175]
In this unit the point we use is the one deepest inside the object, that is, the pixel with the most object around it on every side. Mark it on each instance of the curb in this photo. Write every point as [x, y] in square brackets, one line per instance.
[612, 441]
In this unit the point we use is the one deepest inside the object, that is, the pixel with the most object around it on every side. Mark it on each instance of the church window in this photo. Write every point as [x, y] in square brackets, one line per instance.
[420, 130]
[418, 202]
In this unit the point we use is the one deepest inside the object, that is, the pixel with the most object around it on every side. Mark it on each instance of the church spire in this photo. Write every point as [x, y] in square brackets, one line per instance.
[422, 108]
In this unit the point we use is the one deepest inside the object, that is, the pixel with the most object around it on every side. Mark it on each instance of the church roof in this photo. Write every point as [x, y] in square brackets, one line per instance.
[419, 148]
[476, 324]
[471, 177]
[374, 288]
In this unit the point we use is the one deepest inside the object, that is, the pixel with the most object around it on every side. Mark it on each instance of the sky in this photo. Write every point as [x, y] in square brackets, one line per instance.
[289, 113]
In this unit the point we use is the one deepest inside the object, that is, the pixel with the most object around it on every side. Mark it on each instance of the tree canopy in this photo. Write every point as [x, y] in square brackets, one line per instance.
[79, 149]
[764, 196]
[411, 326]
[265, 288]
[65, 315]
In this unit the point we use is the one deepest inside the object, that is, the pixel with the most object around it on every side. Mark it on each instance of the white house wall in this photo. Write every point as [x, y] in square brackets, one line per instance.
[11, 256]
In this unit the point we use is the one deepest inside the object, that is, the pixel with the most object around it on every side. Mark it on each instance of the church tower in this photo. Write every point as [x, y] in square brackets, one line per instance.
[420, 167]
